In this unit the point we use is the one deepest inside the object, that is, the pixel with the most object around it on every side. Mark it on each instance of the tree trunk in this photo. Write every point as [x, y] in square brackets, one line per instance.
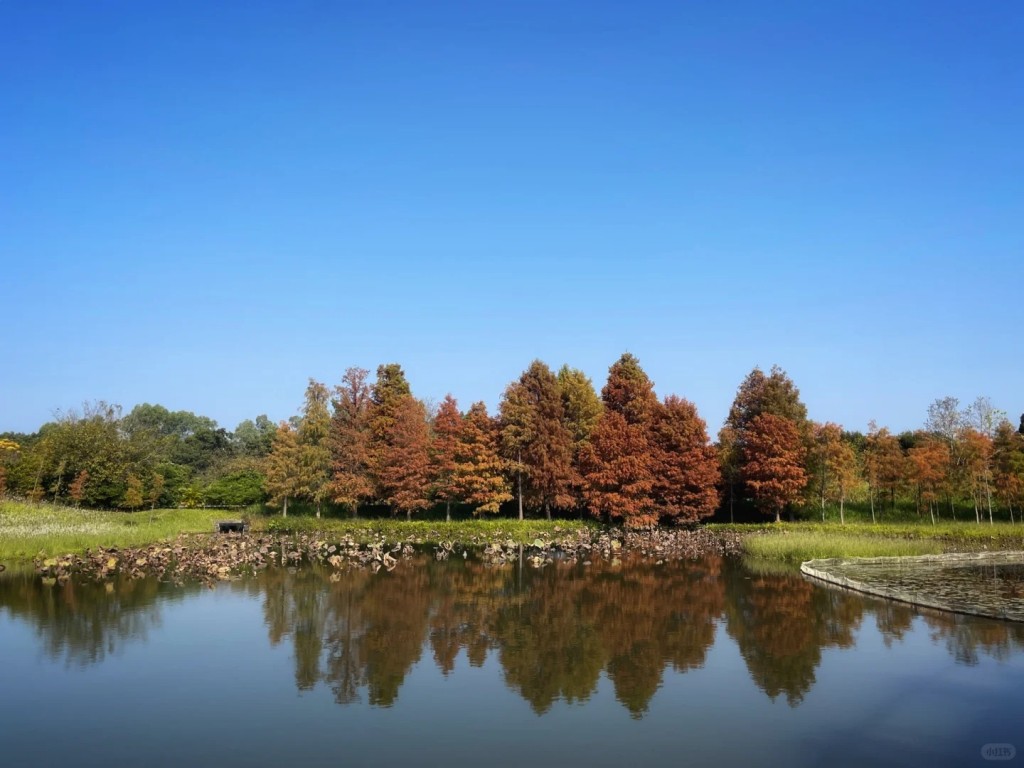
[284, 509]
[931, 513]
[318, 510]
[778, 515]
[871, 495]
[519, 478]
[977, 512]
[408, 515]
[732, 495]
[448, 511]
[842, 501]
[547, 510]
[988, 494]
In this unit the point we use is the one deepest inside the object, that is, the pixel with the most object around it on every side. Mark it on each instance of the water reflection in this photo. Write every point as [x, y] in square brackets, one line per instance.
[82, 624]
[554, 631]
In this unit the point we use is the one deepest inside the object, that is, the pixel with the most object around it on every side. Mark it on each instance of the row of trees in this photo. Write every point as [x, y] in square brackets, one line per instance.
[555, 446]
[150, 457]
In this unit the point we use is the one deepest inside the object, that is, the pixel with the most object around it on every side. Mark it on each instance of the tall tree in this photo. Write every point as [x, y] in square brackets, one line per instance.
[536, 439]
[984, 417]
[580, 403]
[388, 391]
[623, 460]
[619, 472]
[774, 394]
[630, 391]
[480, 470]
[446, 452]
[1008, 465]
[883, 464]
[314, 432]
[927, 462]
[582, 408]
[284, 467]
[832, 466]
[685, 464]
[977, 464]
[774, 462]
[404, 463]
[351, 479]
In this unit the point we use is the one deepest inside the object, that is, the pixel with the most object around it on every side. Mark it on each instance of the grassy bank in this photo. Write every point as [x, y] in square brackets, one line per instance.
[466, 532]
[797, 542]
[30, 530]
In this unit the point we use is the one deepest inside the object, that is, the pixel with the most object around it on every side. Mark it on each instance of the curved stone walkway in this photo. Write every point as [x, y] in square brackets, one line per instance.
[980, 584]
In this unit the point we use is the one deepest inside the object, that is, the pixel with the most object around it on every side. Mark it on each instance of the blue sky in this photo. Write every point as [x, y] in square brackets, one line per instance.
[204, 204]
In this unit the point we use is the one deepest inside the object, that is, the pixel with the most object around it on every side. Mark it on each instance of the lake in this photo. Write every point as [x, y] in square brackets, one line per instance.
[629, 663]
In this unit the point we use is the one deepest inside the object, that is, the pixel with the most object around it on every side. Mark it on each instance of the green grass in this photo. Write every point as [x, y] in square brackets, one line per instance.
[28, 530]
[477, 531]
[32, 530]
[798, 546]
[796, 542]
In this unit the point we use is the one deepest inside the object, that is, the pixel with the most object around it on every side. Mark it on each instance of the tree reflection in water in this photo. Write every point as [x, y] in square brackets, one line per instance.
[553, 630]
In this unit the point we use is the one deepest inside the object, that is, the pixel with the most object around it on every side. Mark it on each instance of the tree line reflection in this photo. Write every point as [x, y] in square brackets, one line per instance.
[553, 630]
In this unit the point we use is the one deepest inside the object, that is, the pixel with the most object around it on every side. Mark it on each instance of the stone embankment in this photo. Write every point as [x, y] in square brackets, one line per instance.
[216, 557]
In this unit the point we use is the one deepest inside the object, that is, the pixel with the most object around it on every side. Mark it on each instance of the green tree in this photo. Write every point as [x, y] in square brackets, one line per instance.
[253, 438]
[284, 467]
[315, 452]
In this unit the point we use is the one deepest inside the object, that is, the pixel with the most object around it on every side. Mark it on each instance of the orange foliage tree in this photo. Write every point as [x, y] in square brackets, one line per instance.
[445, 452]
[774, 462]
[620, 463]
[928, 461]
[480, 471]
[686, 465]
[349, 441]
[404, 461]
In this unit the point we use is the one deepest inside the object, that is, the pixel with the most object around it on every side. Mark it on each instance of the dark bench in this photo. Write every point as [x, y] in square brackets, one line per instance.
[231, 526]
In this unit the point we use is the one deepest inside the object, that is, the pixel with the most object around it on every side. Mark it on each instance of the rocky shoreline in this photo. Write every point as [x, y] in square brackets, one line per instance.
[212, 558]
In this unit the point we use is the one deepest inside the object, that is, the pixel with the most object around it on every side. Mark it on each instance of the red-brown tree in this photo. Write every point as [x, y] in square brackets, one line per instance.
[404, 459]
[445, 451]
[349, 441]
[480, 470]
[774, 462]
[685, 464]
[619, 472]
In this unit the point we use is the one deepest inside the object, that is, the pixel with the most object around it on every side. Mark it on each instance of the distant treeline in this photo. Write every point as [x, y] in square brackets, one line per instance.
[555, 447]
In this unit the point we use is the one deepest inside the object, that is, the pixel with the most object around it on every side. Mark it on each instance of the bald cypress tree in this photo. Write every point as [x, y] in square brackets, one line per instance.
[536, 440]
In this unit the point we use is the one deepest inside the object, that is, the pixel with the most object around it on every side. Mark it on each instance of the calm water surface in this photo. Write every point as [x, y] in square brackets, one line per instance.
[702, 663]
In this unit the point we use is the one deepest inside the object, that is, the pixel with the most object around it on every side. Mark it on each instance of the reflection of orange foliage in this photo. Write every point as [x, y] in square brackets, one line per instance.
[781, 623]
[555, 629]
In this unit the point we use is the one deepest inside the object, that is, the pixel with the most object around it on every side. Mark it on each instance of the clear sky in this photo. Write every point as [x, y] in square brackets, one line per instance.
[202, 204]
